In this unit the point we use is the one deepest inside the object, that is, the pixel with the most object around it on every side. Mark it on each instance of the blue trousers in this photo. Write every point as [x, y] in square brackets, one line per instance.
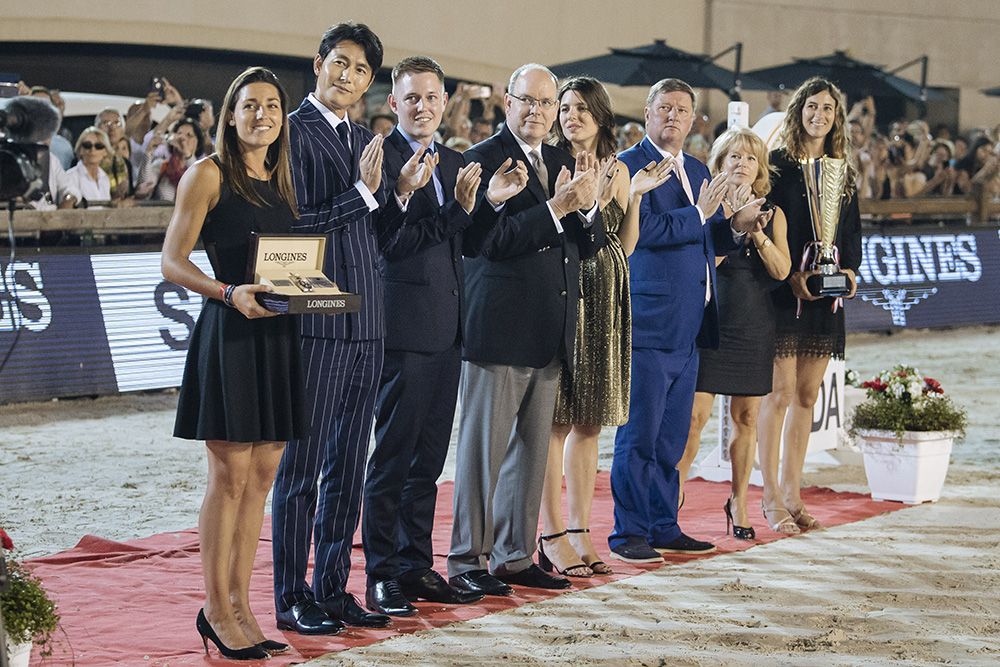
[341, 381]
[644, 477]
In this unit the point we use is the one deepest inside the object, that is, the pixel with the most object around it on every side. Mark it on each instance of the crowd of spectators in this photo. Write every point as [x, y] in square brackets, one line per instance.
[124, 158]
[143, 160]
[913, 160]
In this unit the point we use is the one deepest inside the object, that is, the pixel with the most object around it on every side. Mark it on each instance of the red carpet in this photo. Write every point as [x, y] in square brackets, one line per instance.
[135, 603]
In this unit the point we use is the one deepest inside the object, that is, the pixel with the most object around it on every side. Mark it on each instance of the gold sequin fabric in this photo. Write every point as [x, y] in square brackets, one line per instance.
[596, 392]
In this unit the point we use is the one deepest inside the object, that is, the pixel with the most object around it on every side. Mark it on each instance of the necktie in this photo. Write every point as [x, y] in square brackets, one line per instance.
[682, 173]
[436, 179]
[344, 132]
[539, 166]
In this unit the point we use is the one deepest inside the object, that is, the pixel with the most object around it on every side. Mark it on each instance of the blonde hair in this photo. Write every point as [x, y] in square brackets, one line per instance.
[741, 137]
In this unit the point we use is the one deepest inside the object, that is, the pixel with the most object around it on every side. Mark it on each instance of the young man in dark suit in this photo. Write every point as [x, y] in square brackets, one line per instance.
[672, 287]
[424, 289]
[520, 326]
[340, 190]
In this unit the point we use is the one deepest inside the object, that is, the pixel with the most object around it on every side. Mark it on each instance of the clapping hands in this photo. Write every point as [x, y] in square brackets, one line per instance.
[416, 172]
[506, 182]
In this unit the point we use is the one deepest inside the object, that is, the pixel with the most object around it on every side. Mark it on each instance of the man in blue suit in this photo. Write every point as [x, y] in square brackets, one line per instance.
[672, 278]
[424, 287]
[340, 190]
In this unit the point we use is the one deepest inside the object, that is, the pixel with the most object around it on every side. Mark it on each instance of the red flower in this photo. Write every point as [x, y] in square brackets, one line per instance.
[875, 384]
[932, 385]
[5, 540]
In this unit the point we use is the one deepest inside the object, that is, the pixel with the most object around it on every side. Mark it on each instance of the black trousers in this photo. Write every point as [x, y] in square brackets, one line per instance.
[413, 422]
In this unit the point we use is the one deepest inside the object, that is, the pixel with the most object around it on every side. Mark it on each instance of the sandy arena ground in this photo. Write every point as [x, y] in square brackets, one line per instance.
[916, 587]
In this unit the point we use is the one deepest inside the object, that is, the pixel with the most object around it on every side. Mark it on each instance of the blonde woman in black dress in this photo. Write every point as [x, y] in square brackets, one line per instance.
[742, 366]
[242, 390]
[596, 393]
[809, 329]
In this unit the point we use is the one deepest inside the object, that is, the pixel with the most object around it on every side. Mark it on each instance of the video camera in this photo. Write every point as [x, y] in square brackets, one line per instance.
[25, 122]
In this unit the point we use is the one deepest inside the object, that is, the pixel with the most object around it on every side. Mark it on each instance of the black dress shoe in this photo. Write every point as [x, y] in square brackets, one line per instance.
[682, 544]
[433, 588]
[385, 597]
[480, 581]
[345, 608]
[306, 618]
[533, 577]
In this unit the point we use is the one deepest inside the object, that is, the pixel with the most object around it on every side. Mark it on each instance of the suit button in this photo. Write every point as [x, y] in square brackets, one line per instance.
[562, 293]
[454, 292]
[565, 260]
[343, 265]
[703, 282]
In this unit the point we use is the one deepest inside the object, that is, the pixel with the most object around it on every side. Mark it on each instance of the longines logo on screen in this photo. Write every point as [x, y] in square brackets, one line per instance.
[900, 271]
[22, 303]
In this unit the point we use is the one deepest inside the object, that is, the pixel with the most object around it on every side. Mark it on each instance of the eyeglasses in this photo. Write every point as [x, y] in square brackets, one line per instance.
[545, 105]
[86, 145]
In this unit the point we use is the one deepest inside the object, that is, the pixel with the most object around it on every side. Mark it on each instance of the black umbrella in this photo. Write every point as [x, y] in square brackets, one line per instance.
[992, 92]
[856, 78]
[645, 65]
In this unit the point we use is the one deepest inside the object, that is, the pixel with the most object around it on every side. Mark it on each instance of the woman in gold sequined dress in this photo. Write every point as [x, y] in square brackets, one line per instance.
[596, 393]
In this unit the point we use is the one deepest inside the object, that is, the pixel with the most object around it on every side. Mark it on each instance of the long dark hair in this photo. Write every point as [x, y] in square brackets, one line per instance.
[231, 153]
[793, 134]
[595, 96]
[968, 162]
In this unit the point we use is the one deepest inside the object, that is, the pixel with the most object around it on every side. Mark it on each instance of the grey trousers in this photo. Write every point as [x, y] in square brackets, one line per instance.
[503, 444]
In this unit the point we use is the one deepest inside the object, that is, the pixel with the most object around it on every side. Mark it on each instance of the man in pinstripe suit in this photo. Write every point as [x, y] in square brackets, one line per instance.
[339, 187]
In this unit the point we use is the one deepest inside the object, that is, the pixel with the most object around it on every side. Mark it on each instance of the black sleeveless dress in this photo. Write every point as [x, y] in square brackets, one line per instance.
[744, 363]
[243, 378]
[819, 331]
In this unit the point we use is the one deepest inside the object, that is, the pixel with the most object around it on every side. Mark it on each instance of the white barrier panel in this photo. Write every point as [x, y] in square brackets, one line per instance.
[148, 320]
[827, 429]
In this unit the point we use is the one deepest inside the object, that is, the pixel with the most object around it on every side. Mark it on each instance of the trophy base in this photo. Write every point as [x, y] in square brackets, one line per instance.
[829, 284]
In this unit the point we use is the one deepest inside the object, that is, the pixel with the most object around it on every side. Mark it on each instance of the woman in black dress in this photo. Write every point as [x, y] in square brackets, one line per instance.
[810, 329]
[242, 390]
[741, 367]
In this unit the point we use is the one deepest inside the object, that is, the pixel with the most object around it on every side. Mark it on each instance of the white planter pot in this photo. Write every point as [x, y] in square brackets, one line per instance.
[18, 654]
[911, 470]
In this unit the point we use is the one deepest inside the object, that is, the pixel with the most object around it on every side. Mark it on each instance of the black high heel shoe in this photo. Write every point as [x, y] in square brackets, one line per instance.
[739, 532]
[548, 566]
[206, 632]
[272, 647]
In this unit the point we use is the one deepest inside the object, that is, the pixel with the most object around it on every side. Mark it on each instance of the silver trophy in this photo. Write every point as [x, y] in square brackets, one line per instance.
[824, 189]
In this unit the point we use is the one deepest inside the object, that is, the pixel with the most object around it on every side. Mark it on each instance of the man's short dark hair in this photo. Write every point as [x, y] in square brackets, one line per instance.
[358, 33]
[672, 86]
[417, 65]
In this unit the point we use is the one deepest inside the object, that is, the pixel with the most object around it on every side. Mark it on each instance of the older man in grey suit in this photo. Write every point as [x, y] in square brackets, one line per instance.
[522, 292]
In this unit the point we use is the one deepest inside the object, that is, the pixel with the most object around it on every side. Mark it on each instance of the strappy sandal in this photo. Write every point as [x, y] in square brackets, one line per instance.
[785, 524]
[805, 520]
[577, 570]
[597, 566]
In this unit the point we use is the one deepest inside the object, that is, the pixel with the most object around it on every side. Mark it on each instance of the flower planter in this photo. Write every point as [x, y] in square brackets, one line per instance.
[18, 654]
[909, 470]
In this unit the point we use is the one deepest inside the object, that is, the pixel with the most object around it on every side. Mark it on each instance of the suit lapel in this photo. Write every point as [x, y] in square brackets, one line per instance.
[326, 137]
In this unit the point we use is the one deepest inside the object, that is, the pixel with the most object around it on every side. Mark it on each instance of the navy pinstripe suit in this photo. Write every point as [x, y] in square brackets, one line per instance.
[342, 358]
